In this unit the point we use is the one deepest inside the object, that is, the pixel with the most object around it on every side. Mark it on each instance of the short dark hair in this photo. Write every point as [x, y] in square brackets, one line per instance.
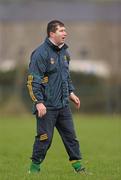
[52, 26]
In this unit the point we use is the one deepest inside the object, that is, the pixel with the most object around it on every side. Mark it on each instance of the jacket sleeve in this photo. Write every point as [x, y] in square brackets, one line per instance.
[70, 84]
[37, 69]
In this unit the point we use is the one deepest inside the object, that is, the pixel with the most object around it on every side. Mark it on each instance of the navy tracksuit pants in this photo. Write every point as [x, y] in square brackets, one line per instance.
[62, 120]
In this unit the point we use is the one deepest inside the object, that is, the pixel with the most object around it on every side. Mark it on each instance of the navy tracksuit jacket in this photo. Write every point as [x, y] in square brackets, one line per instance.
[49, 82]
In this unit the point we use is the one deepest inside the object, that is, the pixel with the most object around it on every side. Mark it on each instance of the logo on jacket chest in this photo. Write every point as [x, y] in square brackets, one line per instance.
[52, 61]
[65, 58]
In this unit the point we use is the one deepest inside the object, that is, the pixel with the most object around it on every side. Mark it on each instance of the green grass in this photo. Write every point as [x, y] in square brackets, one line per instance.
[99, 138]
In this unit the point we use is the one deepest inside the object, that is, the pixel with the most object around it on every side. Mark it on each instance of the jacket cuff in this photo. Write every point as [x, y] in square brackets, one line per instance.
[71, 92]
[40, 101]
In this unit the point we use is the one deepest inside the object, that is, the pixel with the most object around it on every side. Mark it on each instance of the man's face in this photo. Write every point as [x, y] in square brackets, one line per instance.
[59, 36]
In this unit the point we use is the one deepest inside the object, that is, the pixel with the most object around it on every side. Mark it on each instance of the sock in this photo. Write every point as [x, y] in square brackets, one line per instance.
[76, 165]
[34, 167]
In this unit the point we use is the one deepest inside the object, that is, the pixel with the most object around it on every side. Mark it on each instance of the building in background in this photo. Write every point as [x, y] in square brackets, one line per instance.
[94, 29]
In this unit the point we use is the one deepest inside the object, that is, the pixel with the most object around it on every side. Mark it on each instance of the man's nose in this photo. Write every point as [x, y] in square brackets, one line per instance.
[65, 33]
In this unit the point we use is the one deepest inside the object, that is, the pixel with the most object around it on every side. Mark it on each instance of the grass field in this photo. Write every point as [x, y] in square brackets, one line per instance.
[99, 138]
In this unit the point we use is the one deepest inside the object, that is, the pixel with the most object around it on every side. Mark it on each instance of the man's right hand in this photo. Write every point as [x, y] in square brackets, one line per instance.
[41, 109]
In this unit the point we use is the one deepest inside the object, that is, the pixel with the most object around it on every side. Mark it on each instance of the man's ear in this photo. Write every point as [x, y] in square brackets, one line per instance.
[52, 34]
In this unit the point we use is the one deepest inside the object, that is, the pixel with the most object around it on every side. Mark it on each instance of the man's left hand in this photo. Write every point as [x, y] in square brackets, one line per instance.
[75, 99]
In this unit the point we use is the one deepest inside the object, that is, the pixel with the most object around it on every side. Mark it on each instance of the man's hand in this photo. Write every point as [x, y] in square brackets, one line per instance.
[75, 99]
[41, 109]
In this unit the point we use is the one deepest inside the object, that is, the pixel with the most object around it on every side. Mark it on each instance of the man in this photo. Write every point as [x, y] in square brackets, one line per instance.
[50, 88]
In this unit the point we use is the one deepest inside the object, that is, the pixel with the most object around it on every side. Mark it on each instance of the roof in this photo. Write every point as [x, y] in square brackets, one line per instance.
[73, 11]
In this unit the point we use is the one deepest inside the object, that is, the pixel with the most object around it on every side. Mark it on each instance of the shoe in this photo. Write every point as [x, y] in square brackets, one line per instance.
[78, 168]
[34, 168]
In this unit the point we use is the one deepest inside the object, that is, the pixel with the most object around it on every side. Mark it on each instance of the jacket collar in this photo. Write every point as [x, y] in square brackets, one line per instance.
[54, 46]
